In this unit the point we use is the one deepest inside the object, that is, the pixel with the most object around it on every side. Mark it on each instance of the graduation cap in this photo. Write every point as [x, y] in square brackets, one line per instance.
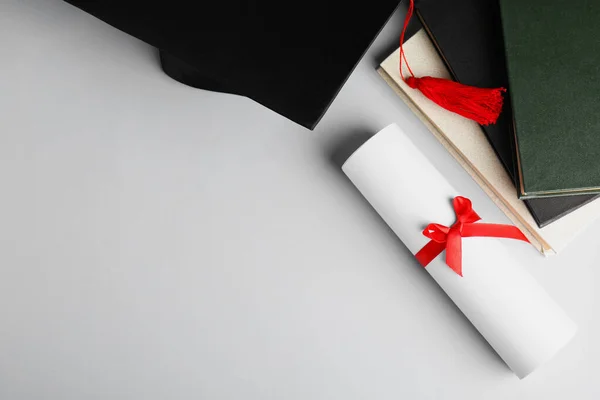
[292, 57]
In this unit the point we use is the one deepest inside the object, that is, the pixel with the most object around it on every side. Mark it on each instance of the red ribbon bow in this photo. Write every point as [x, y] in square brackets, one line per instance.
[449, 239]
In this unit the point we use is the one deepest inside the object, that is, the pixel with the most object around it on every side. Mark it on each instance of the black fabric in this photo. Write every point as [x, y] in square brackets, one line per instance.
[468, 35]
[292, 57]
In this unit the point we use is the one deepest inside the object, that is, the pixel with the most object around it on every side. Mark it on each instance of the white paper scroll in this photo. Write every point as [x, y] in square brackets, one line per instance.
[508, 307]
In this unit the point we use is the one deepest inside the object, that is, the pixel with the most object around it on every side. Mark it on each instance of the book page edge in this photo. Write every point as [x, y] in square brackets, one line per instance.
[539, 243]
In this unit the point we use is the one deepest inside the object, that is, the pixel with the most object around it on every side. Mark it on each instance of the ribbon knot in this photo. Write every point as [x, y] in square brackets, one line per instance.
[450, 238]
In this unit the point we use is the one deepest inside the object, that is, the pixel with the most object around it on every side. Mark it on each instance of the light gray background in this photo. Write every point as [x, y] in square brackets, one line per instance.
[162, 242]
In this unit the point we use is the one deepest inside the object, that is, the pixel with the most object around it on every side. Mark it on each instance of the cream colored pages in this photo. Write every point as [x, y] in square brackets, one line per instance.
[466, 141]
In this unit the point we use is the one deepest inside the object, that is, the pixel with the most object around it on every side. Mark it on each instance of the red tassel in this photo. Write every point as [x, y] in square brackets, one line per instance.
[481, 105]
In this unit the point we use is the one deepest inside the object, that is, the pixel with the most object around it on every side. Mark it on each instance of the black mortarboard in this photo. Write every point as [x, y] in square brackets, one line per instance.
[292, 57]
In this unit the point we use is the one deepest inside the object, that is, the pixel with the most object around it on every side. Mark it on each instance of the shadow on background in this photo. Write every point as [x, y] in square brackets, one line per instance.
[337, 153]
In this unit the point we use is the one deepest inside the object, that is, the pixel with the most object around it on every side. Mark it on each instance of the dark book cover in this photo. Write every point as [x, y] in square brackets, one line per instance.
[468, 36]
[292, 59]
[553, 62]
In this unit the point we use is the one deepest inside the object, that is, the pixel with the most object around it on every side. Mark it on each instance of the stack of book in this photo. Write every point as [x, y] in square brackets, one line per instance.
[540, 162]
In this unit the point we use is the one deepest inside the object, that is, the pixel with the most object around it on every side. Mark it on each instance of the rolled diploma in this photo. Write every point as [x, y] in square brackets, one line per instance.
[506, 305]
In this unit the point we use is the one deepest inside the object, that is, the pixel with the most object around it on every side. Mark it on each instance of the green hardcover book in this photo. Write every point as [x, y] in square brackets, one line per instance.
[553, 58]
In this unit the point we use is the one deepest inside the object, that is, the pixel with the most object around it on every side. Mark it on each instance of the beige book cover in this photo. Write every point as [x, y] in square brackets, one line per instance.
[465, 140]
